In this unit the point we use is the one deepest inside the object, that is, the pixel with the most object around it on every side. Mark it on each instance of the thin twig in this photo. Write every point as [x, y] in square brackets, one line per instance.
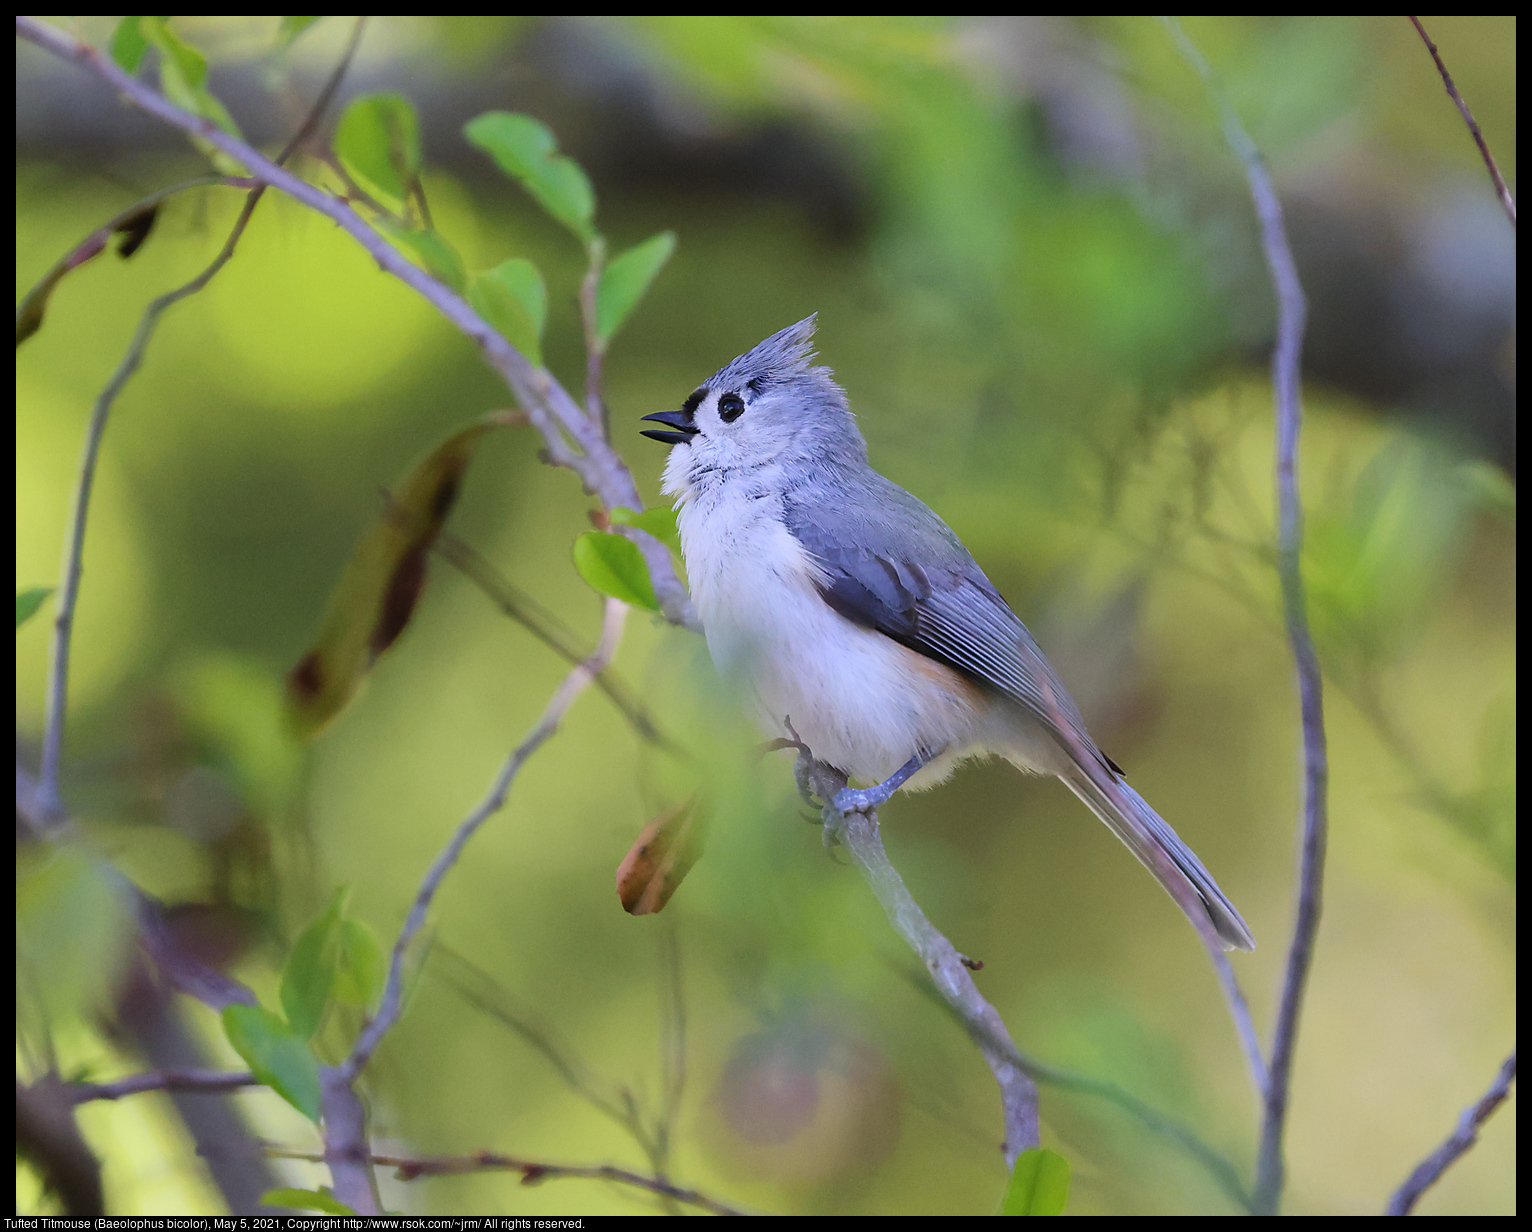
[1195, 911]
[533, 1172]
[1224, 1173]
[590, 285]
[525, 1023]
[859, 832]
[1430, 1169]
[95, 243]
[1496, 178]
[1285, 375]
[547, 628]
[50, 801]
[573, 685]
[215, 1081]
[552, 411]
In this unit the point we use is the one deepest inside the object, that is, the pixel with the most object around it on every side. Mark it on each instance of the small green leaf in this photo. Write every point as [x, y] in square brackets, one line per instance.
[378, 139]
[526, 150]
[278, 1058]
[625, 280]
[659, 522]
[128, 45]
[1039, 1185]
[310, 970]
[513, 299]
[185, 62]
[306, 1200]
[291, 28]
[360, 967]
[183, 78]
[614, 566]
[28, 601]
[439, 258]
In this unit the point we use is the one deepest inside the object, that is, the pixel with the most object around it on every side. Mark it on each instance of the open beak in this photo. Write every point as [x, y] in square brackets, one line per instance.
[682, 421]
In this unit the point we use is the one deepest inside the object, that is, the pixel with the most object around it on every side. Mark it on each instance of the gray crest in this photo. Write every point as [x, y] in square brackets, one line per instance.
[778, 359]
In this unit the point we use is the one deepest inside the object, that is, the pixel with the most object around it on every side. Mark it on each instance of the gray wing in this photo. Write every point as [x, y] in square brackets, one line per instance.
[892, 565]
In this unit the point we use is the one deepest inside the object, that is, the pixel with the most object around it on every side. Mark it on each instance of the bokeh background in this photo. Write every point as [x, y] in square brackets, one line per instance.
[1037, 277]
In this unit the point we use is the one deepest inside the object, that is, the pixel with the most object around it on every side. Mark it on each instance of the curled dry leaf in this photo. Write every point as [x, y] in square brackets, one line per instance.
[658, 862]
[376, 595]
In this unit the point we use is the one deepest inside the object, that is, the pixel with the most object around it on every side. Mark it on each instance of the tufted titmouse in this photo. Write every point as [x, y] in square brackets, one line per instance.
[856, 618]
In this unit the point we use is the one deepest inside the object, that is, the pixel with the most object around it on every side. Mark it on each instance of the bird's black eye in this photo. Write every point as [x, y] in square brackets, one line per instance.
[730, 407]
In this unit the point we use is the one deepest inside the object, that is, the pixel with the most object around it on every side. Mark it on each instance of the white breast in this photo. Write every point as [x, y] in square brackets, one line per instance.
[859, 700]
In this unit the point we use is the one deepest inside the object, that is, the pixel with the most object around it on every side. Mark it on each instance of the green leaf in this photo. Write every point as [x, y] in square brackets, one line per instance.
[372, 603]
[128, 45]
[614, 566]
[28, 601]
[183, 78]
[440, 259]
[310, 970]
[360, 966]
[182, 60]
[378, 140]
[659, 522]
[278, 1058]
[625, 280]
[291, 28]
[306, 1200]
[513, 299]
[1039, 1185]
[526, 150]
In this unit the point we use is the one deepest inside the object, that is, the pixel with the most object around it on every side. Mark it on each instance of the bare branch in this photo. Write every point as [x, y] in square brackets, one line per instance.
[533, 1172]
[1223, 1173]
[859, 832]
[1285, 374]
[1496, 178]
[1430, 1169]
[29, 313]
[49, 801]
[552, 411]
[595, 404]
[574, 684]
[211, 1080]
[1194, 910]
[547, 628]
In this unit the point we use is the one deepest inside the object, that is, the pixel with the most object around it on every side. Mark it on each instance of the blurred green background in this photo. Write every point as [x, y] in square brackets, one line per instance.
[1037, 277]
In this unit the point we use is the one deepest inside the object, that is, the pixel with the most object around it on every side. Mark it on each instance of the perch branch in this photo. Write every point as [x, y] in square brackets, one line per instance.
[859, 832]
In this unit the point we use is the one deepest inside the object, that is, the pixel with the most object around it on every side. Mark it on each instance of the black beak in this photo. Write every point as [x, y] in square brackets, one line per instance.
[683, 421]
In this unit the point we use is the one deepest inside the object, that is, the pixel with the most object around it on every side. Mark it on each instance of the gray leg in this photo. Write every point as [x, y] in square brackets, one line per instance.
[853, 800]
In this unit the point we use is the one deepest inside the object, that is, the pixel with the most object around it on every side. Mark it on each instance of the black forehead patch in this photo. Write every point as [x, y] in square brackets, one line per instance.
[689, 407]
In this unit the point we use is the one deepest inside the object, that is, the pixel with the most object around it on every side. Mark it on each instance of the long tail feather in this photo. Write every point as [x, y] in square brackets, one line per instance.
[1146, 834]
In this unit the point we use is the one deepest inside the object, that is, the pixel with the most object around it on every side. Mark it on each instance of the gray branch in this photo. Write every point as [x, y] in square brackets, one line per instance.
[1430, 1169]
[210, 1080]
[859, 833]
